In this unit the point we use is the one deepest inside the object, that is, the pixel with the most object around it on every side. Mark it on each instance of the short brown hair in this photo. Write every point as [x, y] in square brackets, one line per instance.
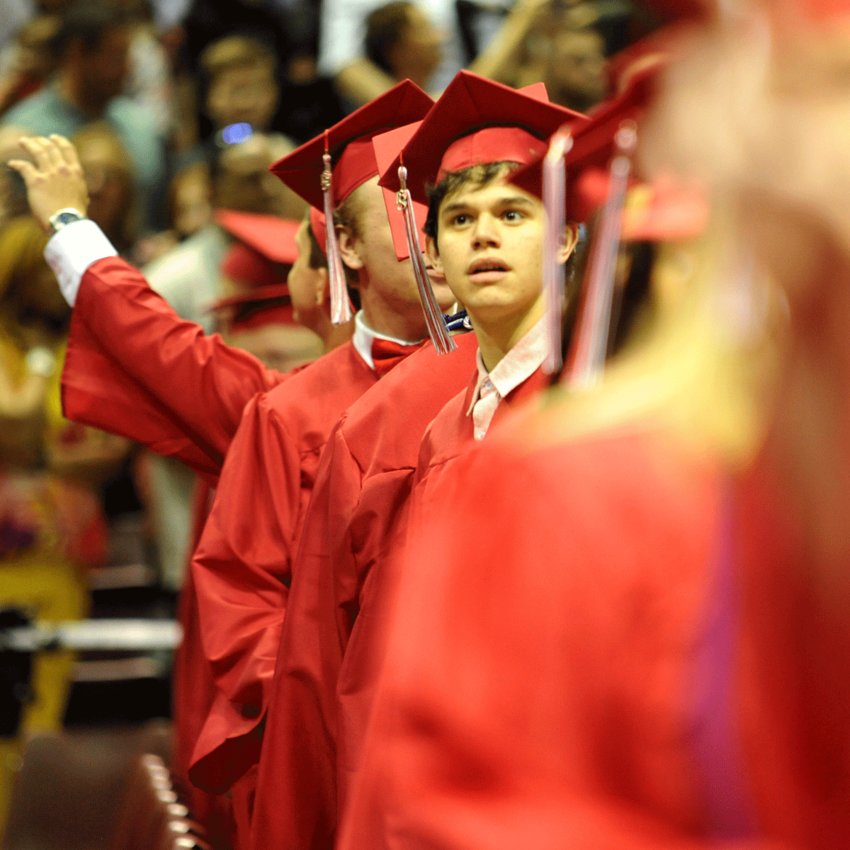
[476, 175]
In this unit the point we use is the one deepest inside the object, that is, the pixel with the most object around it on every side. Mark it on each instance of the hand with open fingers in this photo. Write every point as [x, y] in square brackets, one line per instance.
[54, 178]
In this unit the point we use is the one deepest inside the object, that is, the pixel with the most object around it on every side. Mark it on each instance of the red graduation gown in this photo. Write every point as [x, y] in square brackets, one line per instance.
[310, 743]
[451, 434]
[242, 565]
[135, 368]
[540, 684]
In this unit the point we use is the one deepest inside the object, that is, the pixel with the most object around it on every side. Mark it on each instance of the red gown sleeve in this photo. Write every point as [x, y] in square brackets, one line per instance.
[135, 368]
[241, 572]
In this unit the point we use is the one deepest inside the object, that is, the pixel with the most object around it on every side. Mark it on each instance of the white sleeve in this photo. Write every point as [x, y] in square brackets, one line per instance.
[72, 250]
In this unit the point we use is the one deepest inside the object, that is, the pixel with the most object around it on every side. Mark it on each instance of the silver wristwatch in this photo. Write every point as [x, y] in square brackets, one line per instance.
[64, 217]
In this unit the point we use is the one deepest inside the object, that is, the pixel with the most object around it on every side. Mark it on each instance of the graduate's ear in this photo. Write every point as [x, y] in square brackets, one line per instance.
[432, 254]
[349, 246]
[570, 242]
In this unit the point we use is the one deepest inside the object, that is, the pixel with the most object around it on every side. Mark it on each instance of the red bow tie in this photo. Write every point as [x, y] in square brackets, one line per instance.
[386, 354]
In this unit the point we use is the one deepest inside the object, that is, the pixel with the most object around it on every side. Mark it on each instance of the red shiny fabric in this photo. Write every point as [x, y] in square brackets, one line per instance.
[135, 368]
[242, 565]
[361, 489]
[537, 683]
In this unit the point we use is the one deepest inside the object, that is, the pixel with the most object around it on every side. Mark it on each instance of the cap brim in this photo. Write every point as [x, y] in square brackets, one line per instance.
[268, 235]
[471, 104]
[301, 169]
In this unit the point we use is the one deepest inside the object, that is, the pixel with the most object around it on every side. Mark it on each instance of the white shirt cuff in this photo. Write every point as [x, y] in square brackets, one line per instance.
[72, 250]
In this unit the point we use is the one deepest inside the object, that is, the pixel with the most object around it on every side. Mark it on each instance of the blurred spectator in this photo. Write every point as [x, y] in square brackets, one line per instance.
[13, 200]
[190, 200]
[16, 13]
[570, 60]
[239, 83]
[575, 73]
[92, 50]
[403, 42]
[50, 469]
[150, 82]
[404, 39]
[29, 60]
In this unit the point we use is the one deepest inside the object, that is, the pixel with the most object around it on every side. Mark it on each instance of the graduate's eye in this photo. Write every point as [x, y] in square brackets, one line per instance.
[513, 215]
[460, 219]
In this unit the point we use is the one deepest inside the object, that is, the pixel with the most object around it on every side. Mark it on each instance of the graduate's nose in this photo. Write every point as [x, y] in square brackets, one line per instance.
[485, 232]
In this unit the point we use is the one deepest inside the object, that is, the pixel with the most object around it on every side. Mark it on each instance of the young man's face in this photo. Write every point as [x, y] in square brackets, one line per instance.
[489, 246]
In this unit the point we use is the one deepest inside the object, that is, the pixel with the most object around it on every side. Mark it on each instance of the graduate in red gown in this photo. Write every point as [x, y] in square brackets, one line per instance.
[642, 643]
[268, 283]
[363, 486]
[124, 337]
[242, 566]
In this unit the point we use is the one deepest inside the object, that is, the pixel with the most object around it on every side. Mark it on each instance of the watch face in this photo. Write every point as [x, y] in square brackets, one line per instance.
[58, 221]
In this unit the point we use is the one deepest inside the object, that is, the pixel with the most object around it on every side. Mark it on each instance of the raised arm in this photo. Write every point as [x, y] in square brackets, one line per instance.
[134, 367]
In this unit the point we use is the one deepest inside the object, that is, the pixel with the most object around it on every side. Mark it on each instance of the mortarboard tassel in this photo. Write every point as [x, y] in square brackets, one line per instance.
[340, 302]
[590, 341]
[434, 321]
[554, 194]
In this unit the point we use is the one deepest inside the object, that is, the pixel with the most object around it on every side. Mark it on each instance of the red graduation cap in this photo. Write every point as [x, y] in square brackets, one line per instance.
[348, 143]
[258, 263]
[273, 237]
[591, 145]
[328, 168]
[477, 121]
[387, 146]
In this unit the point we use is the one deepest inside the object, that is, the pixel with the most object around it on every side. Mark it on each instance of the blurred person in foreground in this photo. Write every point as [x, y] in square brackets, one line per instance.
[644, 643]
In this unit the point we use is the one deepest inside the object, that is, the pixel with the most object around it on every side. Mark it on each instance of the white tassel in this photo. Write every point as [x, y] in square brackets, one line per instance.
[593, 328]
[554, 201]
[340, 302]
[434, 321]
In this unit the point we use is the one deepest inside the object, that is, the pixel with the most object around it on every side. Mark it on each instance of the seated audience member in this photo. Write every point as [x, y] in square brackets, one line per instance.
[574, 69]
[403, 42]
[92, 49]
